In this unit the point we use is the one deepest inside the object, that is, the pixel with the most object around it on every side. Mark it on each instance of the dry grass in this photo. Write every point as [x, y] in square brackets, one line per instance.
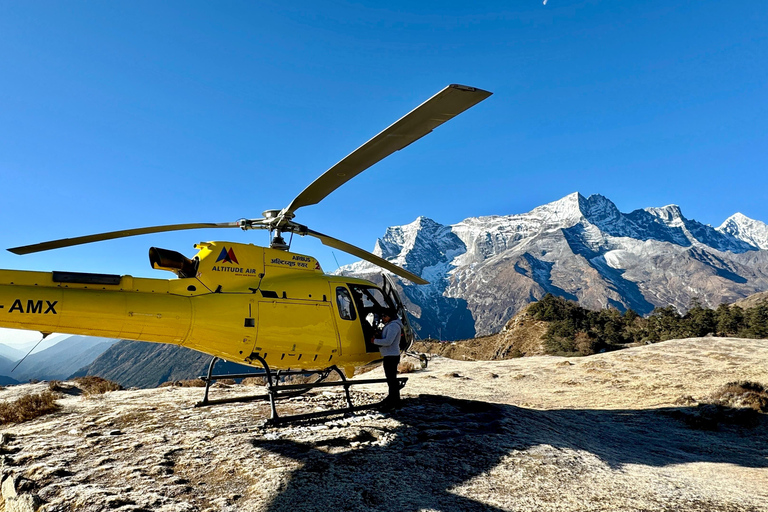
[743, 394]
[55, 386]
[305, 379]
[27, 407]
[254, 381]
[736, 403]
[92, 385]
[521, 336]
[187, 383]
[365, 369]
[406, 367]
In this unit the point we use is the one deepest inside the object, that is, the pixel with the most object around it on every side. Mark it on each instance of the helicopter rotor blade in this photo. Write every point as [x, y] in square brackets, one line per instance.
[446, 104]
[68, 242]
[361, 253]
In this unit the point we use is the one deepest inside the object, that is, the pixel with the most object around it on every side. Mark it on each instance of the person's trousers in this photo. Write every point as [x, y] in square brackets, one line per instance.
[390, 372]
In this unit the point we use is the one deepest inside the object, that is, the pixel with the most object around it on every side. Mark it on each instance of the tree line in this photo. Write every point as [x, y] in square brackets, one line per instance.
[574, 330]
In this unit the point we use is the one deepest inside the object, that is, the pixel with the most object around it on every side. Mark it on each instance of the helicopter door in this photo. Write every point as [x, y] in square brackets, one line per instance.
[389, 290]
[292, 329]
[370, 302]
[350, 331]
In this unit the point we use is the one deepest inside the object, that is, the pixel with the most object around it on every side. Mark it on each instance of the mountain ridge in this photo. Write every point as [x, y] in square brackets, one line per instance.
[62, 359]
[147, 365]
[485, 269]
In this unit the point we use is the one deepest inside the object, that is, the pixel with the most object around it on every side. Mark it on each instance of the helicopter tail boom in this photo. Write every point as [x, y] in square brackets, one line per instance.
[102, 305]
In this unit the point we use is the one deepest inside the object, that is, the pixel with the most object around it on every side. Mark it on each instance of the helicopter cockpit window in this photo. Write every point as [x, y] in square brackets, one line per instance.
[370, 304]
[369, 297]
[344, 302]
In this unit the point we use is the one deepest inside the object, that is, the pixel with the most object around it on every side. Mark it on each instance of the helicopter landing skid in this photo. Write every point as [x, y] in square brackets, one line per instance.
[277, 391]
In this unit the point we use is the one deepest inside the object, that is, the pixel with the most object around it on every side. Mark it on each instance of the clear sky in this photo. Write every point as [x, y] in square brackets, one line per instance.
[126, 114]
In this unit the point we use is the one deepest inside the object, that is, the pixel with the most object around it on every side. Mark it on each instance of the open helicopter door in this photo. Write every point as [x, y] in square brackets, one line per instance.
[388, 288]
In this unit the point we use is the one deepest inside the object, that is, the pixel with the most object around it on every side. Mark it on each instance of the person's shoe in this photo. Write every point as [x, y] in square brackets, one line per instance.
[387, 406]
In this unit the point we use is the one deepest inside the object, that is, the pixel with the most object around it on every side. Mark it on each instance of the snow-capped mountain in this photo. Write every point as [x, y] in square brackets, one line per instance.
[485, 269]
[742, 227]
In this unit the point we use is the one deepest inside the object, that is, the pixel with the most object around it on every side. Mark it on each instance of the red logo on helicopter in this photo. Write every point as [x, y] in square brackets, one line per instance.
[227, 256]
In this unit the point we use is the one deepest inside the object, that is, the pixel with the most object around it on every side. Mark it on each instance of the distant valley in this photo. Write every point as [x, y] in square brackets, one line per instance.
[147, 365]
[129, 363]
[55, 362]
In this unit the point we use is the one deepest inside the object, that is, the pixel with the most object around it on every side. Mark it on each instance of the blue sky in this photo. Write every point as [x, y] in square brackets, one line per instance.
[126, 114]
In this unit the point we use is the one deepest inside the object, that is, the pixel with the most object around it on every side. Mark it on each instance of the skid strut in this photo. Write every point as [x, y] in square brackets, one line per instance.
[277, 391]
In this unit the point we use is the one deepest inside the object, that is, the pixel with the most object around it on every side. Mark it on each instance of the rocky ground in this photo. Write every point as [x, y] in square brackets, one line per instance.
[616, 431]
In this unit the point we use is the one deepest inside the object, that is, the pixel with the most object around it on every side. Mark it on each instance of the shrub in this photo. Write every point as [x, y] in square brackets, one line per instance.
[254, 381]
[559, 346]
[92, 385]
[186, 383]
[743, 394]
[307, 378]
[27, 407]
[55, 386]
[736, 403]
[585, 344]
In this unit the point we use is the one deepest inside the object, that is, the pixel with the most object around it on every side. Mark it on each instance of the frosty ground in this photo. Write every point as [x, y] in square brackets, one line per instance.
[616, 431]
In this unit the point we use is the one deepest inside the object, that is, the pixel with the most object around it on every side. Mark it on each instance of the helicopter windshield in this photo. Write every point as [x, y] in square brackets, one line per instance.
[369, 297]
[370, 302]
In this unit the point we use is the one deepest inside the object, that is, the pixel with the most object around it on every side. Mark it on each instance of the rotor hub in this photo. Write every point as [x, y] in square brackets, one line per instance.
[278, 242]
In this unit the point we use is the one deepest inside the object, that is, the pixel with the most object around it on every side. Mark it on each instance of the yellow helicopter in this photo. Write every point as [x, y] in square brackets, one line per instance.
[260, 306]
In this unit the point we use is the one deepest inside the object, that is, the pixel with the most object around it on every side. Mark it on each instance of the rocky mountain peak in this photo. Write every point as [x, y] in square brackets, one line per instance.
[670, 215]
[399, 238]
[749, 230]
[603, 213]
[564, 212]
[421, 244]
[575, 208]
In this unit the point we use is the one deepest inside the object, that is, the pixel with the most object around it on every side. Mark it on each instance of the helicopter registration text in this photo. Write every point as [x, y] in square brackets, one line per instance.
[32, 306]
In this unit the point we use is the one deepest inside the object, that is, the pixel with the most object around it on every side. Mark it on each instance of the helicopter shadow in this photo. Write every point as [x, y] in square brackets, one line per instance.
[442, 443]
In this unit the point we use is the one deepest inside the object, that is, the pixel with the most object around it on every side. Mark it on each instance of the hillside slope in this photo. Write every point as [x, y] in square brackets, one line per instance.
[147, 365]
[61, 360]
[752, 301]
[521, 336]
[14, 354]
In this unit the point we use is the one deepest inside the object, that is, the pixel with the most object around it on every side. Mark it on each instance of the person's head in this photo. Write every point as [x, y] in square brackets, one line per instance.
[388, 315]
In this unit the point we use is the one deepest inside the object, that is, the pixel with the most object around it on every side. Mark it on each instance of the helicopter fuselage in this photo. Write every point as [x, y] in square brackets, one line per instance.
[241, 301]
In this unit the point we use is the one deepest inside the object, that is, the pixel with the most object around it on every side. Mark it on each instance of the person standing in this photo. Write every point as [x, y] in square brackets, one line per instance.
[389, 346]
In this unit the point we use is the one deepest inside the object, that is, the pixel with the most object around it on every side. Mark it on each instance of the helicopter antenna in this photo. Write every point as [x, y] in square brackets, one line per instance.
[45, 335]
[337, 261]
